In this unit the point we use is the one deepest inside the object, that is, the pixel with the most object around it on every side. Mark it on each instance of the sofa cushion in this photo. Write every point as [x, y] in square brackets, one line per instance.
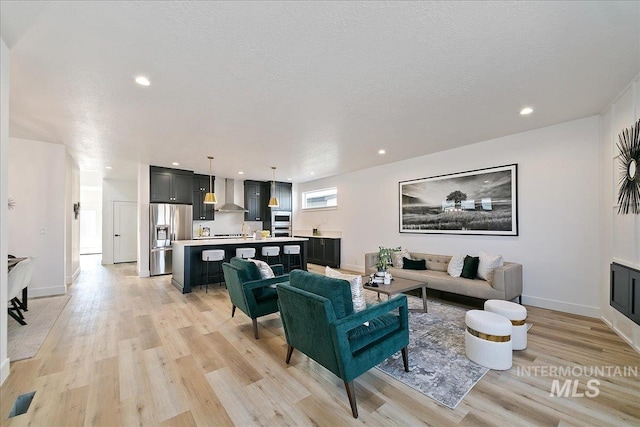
[470, 267]
[265, 294]
[487, 264]
[379, 327]
[434, 262]
[414, 264]
[455, 265]
[337, 291]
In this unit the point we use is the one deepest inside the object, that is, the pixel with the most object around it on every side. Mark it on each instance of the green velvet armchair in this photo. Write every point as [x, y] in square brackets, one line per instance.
[250, 293]
[318, 319]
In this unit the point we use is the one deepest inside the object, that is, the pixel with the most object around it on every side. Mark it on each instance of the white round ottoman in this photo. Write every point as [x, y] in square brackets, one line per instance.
[518, 316]
[488, 339]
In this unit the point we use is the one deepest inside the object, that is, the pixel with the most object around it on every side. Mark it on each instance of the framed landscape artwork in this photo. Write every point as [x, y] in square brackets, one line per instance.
[482, 202]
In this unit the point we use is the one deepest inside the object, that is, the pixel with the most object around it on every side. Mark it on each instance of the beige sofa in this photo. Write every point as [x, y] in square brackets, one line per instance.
[506, 283]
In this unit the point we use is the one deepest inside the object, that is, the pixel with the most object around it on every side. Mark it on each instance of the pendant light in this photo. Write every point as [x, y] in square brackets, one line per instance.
[273, 201]
[210, 197]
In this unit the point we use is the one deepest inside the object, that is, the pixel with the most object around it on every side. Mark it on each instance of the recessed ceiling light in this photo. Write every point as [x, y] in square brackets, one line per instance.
[312, 173]
[526, 110]
[240, 173]
[289, 179]
[381, 151]
[143, 81]
[108, 167]
[175, 164]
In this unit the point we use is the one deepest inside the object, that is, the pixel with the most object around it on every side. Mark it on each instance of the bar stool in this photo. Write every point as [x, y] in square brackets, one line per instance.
[217, 257]
[246, 253]
[292, 251]
[271, 251]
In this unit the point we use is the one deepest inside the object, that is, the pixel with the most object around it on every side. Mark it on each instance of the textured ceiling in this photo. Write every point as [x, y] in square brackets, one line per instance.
[305, 86]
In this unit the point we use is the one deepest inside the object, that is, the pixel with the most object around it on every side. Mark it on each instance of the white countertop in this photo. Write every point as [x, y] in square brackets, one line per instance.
[248, 241]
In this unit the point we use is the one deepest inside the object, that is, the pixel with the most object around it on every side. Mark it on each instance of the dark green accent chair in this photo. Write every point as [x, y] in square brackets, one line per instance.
[318, 319]
[250, 293]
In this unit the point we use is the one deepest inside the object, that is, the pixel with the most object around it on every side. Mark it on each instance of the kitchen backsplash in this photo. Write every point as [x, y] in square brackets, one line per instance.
[227, 223]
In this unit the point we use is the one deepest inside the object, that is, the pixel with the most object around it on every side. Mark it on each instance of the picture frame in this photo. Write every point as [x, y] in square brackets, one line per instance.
[477, 202]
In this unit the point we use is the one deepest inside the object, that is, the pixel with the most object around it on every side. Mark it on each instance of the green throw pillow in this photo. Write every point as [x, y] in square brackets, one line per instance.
[414, 264]
[470, 267]
[385, 254]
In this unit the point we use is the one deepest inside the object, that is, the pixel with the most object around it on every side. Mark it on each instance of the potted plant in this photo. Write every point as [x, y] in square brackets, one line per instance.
[381, 265]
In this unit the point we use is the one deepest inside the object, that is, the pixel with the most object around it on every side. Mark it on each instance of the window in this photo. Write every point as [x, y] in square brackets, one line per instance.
[327, 198]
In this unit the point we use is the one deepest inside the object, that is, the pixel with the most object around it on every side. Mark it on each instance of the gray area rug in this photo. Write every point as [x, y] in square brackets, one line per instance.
[438, 366]
[23, 342]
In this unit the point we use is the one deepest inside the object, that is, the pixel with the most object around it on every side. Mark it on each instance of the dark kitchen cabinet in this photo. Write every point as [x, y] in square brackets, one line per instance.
[324, 251]
[256, 197]
[283, 193]
[625, 291]
[171, 185]
[201, 187]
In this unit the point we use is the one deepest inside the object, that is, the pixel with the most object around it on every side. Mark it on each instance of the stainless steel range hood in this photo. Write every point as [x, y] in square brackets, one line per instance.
[229, 193]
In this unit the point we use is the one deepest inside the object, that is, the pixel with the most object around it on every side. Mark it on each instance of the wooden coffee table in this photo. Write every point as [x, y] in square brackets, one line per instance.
[397, 286]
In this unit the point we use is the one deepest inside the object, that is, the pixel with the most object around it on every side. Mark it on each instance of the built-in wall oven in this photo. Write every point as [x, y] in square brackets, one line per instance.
[280, 224]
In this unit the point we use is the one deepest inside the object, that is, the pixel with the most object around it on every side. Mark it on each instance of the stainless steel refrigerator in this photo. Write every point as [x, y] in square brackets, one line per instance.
[168, 223]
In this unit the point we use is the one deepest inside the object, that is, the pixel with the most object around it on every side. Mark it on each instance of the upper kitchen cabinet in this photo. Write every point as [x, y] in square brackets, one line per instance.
[256, 197]
[171, 185]
[283, 193]
[200, 189]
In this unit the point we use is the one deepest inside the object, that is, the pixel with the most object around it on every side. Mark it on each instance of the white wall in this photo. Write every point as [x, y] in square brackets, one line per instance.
[558, 211]
[72, 224]
[144, 190]
[4, 148]
[114, 190]
[36, 226]
[621, 242]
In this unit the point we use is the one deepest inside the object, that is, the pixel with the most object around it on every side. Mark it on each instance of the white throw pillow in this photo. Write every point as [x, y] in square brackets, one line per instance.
[357, 291]
[265, 271]
[487, 264]
[396, 257]
[455, 265]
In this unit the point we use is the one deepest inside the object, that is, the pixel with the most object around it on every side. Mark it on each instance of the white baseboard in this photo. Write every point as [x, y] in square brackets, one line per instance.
[353, 267]
[621, 334]
[47, 292]
[4, 370]
[73, 276]
[566, 307]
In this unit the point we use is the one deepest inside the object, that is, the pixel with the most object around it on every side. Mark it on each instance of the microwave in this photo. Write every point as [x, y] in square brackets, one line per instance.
[280, 224]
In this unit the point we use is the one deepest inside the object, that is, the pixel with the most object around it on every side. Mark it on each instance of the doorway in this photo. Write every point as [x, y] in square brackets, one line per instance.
[125, 226]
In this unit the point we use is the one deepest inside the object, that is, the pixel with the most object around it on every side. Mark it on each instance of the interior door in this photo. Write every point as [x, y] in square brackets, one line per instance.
[125, 240]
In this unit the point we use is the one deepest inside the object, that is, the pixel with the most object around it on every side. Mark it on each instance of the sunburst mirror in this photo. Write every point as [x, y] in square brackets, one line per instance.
[629, 147]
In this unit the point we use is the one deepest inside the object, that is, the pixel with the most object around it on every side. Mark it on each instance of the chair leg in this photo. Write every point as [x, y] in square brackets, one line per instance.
[520, 299]
[351, 393]
[405, 358]
[255, 327]
[16, 307]
[289, 353]
[233, 310]
[15, 316]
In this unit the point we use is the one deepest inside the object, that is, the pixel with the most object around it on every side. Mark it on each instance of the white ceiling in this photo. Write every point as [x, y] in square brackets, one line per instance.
[305, 86]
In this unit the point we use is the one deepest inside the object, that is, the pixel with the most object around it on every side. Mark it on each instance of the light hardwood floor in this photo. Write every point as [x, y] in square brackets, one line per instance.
[128, 351]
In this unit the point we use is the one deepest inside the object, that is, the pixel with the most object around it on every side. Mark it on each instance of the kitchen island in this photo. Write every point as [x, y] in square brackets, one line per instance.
[187, 256]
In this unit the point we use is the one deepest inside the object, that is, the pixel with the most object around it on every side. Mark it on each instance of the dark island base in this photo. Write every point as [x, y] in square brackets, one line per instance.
[188, 267]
